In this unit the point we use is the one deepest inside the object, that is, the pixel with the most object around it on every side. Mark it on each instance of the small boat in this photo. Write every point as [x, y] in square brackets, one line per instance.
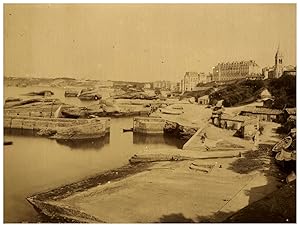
[283, 144]
[8, 143]
[71, 93]
[127, 129]
[175, 107]
[171, 111]
[40, 93]
[89, 94]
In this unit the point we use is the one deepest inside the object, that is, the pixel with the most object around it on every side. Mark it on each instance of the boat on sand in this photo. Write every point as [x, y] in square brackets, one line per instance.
[171, 111]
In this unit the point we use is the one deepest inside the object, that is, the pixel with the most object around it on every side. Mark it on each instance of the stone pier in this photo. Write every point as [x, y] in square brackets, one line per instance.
[151, 125]
[39, 123]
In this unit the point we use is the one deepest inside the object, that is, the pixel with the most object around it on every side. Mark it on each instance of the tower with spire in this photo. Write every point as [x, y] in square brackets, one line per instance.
[278, 68]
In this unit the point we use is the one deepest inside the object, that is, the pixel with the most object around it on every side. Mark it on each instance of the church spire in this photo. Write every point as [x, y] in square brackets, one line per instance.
[278, 62]
[278, 52]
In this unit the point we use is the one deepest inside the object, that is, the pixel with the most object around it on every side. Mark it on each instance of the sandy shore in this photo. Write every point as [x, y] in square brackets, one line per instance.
[174, 191]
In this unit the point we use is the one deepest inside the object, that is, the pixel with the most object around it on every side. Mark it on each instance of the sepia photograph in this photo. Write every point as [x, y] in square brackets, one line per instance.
[149, 113]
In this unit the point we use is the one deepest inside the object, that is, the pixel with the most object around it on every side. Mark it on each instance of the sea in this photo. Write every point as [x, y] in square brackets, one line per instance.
[35, 164]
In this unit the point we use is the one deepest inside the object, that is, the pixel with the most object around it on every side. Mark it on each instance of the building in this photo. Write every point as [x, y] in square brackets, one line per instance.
[266, 97]
[235, 122]
[209, 78]
[203, 100]
[245, 126]
[266, 71]
[175, 86]
[289, 71]
[161, 84]
[166, 85]
[279, 68]
[191, 79]
[289, 112]
[236, 70]
[264, 114]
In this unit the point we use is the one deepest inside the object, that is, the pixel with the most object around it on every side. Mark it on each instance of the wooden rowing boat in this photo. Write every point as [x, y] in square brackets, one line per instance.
[283, 144]
[127, 129]
[171, 111]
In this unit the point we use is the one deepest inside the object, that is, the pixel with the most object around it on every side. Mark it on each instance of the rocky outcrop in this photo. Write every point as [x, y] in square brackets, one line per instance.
[179, 131]
[86, 131]
[103, 110]
[136, 95]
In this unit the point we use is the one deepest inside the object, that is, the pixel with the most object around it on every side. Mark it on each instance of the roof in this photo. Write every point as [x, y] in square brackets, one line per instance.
[204, 97]
[289, 68]
[261, 110]
[220, 103]
[265, 94]
[237, 118]
[291, 111]
[191, 74]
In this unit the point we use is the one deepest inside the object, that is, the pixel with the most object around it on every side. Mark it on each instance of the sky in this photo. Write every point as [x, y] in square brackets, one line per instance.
[142, 42]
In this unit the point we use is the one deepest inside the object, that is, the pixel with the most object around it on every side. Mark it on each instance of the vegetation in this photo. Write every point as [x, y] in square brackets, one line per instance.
[196, 94]
[238, 93]
[286, 127]
[282, 89]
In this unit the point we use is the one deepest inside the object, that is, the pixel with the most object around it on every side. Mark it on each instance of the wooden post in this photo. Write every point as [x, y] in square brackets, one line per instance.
[51, 108]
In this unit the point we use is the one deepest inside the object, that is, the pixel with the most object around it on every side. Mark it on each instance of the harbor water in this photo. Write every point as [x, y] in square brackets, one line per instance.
[35, 164]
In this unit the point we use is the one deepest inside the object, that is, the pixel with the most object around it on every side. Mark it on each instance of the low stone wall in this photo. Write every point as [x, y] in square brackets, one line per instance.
[149, 125]
[38, 123]
[31, 112]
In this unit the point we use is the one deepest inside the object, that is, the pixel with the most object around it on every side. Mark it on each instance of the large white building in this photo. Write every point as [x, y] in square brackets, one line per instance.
[236, 70]
[191, 79]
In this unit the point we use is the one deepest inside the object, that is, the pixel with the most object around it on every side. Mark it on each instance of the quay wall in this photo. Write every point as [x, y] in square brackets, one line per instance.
[38, 123]
[151, 125]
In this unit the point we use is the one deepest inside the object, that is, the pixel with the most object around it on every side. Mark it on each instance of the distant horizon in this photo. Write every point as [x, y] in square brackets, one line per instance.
[57, 78]
[141, 42]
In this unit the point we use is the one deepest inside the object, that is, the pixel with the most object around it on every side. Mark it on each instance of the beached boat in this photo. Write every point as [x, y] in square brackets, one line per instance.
[89, 95]
[171, 111]
[127, 129]
[40, 93]
[176, 107]
[8, 143]
[71, 93]
[283, 144]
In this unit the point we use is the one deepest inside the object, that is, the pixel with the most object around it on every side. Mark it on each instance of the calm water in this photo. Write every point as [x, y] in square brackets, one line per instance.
[34, 164]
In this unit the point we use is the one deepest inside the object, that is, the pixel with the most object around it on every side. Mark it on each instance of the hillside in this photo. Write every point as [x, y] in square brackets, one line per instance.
[282, 89]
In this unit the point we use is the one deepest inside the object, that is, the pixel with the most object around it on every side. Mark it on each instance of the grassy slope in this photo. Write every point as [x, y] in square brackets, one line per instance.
[241, 92]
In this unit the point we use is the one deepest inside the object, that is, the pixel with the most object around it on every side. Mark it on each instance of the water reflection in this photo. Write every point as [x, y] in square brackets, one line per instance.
[86, 144]
[20, 132]
[141, 138]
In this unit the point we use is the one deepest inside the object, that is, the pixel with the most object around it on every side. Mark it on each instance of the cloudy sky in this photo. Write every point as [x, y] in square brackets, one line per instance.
[142, 42]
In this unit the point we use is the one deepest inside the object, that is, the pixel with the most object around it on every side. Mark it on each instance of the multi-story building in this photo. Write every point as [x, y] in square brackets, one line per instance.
[191, 79]
[174, 86]
[165, 85]
[209, 78]
[236, 70]
[161, 84]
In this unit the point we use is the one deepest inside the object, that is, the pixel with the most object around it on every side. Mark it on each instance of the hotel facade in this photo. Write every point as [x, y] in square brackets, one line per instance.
[236, 70]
